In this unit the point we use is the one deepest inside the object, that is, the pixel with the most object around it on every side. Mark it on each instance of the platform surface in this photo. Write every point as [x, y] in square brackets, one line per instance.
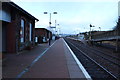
[56, 61]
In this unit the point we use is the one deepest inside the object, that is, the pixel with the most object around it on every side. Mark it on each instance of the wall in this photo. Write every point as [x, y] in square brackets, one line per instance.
[42, 32]
[0, 36]
[12, 29]
[4, 36]
[6, 16]
[11, 39]
[0, 29]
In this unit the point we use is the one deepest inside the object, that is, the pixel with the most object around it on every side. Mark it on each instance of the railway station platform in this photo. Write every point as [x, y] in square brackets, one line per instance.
[55, 61]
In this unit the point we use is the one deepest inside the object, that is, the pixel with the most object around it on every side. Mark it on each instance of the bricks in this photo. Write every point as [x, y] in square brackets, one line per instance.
[13, 27]
[43, 34]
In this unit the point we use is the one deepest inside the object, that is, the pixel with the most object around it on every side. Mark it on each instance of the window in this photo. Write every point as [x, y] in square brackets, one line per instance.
[30, 32]
[22, 30]
[36, 39]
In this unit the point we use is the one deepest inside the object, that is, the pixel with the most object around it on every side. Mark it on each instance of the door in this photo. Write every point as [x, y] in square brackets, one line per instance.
[4, 34]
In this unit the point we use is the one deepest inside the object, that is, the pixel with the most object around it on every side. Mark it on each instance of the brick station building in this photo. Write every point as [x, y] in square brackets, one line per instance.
[42, 35]
[18, 28]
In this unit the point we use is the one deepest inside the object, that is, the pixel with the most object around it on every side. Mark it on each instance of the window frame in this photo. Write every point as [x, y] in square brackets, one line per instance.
[22, 30]
[30, 31]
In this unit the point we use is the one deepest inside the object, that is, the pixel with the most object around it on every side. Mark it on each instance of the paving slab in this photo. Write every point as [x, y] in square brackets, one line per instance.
[14, 63]
[51, 65]
[55, 61]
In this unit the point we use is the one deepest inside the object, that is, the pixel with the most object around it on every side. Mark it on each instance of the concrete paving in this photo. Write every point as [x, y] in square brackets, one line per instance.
[15, 63]
[73, 68]
[55, 61]
[51, 65]
[0, 65]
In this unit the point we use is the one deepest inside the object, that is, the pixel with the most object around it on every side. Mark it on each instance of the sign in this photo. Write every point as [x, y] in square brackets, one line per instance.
[52, 27]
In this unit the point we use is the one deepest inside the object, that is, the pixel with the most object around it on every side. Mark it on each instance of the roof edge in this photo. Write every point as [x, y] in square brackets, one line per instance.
[22, 10]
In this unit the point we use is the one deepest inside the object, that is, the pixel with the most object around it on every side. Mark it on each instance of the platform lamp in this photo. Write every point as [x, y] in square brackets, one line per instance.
[50, 20]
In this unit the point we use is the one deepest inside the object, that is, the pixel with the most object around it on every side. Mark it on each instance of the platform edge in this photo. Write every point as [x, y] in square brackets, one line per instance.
[79, 63]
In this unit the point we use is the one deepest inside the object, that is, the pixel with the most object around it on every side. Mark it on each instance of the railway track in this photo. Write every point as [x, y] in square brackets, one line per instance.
[95, 69]
[110, 63]
[103, 55]
[108, 51]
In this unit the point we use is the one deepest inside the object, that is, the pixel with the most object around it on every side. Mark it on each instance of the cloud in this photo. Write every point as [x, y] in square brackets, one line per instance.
[65, 0]
[74, 16]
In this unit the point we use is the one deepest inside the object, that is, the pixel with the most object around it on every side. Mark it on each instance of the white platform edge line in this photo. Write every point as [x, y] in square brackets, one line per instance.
[34, 61]
[79, 63]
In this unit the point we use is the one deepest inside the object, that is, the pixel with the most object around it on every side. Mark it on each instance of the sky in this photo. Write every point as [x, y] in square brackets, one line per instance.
[73, 16]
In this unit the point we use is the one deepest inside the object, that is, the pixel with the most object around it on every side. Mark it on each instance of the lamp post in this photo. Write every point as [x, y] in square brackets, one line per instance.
[50, 17]
[50, 20]
[56, 27]
[116, 49]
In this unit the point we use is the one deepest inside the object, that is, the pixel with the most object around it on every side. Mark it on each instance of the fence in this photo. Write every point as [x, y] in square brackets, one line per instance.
[108, 35]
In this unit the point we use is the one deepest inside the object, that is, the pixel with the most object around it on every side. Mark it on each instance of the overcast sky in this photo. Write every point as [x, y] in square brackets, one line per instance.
[73, 16]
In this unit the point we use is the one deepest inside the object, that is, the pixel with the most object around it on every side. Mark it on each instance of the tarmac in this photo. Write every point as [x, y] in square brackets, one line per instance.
[44, 61]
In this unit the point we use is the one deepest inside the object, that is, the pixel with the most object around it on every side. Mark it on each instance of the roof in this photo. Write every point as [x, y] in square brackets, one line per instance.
[42, 29]
[22, 10]
[98, 32]
[102, 32]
